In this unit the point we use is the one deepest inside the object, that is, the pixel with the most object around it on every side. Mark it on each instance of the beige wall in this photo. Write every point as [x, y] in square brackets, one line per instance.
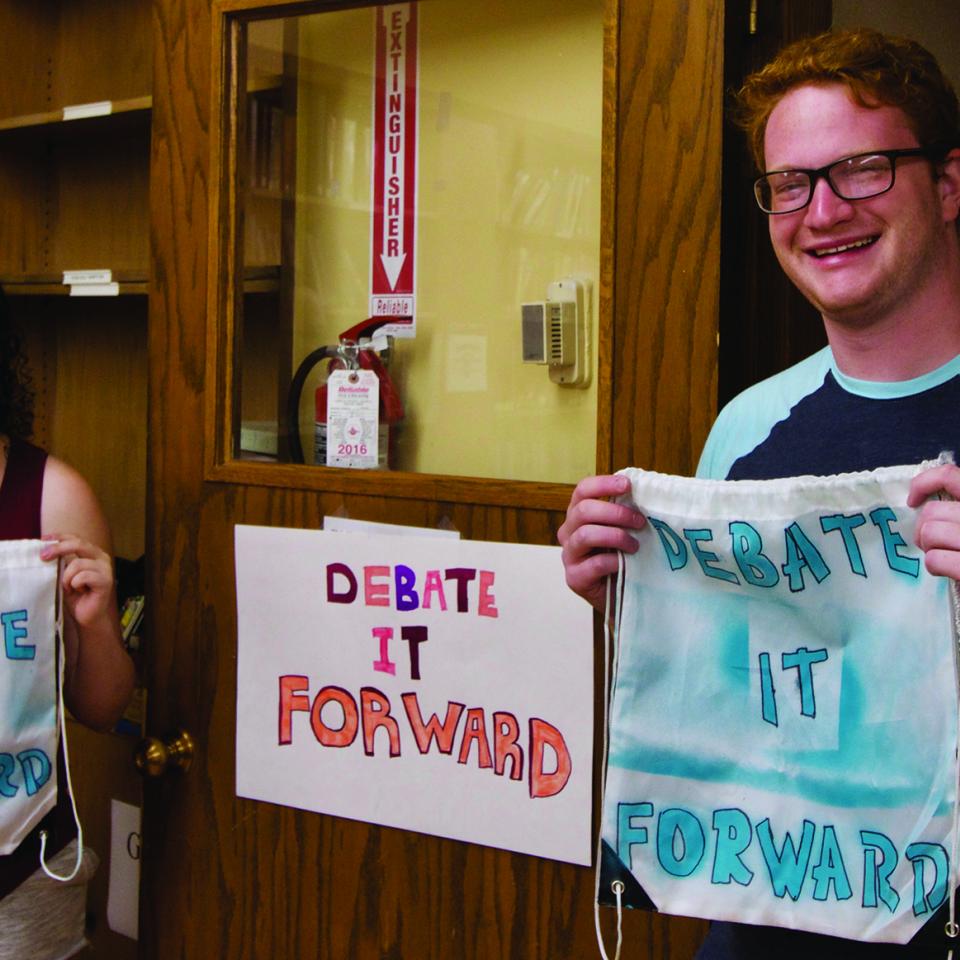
[934, 23]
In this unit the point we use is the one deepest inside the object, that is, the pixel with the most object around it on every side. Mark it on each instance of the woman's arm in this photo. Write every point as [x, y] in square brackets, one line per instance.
[99, 672]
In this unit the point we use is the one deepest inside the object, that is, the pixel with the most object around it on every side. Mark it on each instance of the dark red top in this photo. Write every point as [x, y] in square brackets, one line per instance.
[21, 493]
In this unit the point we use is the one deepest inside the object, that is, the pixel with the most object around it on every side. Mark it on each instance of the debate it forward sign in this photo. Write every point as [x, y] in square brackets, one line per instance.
[440, 686]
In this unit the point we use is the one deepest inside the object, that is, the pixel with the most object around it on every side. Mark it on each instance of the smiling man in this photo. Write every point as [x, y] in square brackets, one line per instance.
[857, 137]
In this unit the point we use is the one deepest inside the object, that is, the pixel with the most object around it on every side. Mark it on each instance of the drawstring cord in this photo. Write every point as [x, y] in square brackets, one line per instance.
[61, 665]
[610, 639]
[951, 928]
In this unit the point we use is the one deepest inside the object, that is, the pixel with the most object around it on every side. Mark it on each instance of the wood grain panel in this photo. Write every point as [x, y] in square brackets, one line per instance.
[102, 210]
[667, 232]
[28, 186]
[104, 51]
[101, 366]
[27, 40]
[183, 892]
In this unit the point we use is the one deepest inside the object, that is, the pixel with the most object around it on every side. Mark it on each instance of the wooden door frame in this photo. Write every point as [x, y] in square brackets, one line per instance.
[658, 290]
[224, 288]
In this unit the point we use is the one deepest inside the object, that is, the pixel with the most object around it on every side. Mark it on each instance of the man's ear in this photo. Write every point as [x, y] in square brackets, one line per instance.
[948, 183]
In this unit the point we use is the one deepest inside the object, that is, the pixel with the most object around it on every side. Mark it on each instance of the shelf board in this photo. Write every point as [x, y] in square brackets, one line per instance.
[51, 284]
[261, 279]
[51, 122]
[265, 279]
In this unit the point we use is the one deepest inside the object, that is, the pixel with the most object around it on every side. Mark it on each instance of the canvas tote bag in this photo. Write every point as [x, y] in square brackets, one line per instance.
[31, 681]
[783, 721]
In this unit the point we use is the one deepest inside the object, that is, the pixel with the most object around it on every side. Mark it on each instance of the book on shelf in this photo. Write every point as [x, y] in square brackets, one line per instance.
[131, 616]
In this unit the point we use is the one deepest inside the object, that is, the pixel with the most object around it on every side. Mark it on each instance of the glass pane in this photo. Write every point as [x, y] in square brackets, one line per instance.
[437, 162]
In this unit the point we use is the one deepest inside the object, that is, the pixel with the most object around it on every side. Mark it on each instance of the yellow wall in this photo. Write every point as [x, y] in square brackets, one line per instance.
[508, 201]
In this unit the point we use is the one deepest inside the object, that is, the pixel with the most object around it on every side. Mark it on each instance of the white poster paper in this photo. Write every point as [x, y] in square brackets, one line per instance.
[123, 911]
[441, 686]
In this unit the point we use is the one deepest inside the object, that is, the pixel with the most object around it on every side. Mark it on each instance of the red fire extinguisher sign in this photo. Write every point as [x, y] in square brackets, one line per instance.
[395, 108]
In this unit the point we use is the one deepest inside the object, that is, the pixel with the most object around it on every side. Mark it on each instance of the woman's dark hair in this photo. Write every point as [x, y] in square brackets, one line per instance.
[16, 383]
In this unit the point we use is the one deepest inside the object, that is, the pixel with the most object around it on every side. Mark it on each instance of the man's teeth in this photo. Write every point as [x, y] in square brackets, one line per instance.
[844, 247]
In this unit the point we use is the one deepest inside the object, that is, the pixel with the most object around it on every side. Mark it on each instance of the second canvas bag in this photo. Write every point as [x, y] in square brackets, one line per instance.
[783, 725]
[28, 689]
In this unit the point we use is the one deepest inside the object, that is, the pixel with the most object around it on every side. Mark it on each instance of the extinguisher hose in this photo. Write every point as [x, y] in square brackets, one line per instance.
[293, 398]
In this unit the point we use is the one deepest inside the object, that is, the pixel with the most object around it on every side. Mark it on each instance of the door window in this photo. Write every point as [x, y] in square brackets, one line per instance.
[417, 193]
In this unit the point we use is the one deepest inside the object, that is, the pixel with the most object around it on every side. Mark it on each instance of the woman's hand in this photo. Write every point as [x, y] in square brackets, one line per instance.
[86, 576]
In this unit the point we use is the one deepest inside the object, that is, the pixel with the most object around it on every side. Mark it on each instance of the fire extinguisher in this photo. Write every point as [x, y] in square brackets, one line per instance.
[355, 350]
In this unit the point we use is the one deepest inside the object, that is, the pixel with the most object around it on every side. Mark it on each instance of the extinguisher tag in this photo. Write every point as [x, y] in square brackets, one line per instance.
[353, 419]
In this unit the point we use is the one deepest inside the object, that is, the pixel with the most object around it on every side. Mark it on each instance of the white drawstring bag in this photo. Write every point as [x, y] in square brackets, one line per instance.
[783, 724]
[28, 689]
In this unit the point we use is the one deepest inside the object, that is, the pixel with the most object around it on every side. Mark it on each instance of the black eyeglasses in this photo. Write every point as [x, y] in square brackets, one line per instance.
[852, 178]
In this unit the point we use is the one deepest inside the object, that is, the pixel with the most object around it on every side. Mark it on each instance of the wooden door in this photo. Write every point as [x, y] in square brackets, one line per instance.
[226, 877]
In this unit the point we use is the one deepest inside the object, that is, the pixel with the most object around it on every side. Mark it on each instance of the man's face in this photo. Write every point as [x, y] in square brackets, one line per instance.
[863, 261]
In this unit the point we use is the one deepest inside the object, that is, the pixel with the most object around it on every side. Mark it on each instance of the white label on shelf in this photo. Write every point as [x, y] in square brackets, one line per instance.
[94, 289]
[80, 111]
[71, 277]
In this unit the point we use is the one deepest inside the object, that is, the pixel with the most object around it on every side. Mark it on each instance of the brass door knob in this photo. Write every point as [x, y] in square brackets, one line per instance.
[155, 757]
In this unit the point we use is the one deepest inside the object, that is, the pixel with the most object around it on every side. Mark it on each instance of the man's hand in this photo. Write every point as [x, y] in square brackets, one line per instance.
[938, 525]
[593, 532]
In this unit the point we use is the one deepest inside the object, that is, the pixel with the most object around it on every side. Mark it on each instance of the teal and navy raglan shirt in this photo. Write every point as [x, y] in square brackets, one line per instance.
[811, 419]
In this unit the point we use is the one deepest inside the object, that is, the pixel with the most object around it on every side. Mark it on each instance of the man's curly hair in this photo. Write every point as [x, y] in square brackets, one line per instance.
[878, 69]
[16, 383]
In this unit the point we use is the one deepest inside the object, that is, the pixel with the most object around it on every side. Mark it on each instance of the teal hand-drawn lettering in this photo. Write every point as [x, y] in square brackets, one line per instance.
[768, 692]
[674, 547]
[927, 900]
[801, 659]
[680, 842]
[755, 567]
[829, 869]
[846, 524]
[787, 866]
[892, 541]
[7, 766]
[734, 834]
[707, 558]
[35, 765]
[628, 835]
[801, 553]
[13, 632]
[681, 848]
[879, 861]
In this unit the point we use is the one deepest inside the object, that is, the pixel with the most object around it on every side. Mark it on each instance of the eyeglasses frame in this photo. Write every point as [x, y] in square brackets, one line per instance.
[934, 153]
